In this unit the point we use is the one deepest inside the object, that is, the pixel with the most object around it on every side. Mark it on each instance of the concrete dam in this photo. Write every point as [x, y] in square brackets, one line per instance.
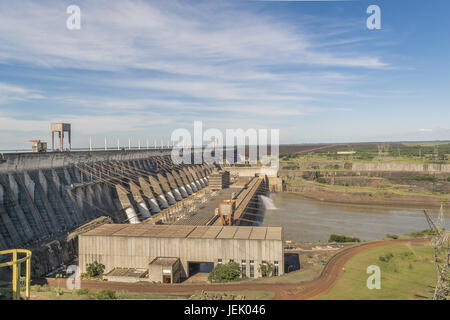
[47, 199]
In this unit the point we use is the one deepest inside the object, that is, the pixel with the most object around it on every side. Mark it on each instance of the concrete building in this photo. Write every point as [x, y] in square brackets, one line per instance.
[127, 275]
[165, 270]
[172, 252]
[275, 182]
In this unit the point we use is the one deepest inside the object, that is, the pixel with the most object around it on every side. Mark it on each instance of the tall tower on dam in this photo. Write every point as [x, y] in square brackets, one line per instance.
[45, 196]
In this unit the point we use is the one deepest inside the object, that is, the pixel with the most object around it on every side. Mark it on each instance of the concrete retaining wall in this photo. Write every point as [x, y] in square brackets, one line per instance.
[374, 166]
[432, 167]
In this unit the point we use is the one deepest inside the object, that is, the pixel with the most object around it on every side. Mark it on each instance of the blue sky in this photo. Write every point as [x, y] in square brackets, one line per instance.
[140, 69]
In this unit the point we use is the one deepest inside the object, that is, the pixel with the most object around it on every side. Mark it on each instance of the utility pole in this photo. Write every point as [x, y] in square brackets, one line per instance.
[90, 143]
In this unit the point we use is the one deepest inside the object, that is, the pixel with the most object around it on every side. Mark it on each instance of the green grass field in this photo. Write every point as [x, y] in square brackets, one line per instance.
[421, 152]
[408, 274]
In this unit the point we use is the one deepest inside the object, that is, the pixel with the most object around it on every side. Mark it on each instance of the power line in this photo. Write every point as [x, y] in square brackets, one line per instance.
[441, 246]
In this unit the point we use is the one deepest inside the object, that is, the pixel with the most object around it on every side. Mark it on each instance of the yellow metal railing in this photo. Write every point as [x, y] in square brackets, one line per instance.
[16, 263]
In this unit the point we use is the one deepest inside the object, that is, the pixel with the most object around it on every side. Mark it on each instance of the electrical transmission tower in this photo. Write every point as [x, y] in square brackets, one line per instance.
[441, 245]
[436, 152]
[383, 150]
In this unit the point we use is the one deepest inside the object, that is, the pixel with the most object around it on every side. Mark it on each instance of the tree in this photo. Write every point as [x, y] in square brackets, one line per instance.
[265, 269]
[95, 269]
[225, 272]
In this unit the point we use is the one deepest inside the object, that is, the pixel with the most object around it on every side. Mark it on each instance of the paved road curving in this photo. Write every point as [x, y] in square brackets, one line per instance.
[284, 291]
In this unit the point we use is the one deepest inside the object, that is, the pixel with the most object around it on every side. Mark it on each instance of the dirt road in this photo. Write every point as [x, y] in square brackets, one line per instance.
[284, 291]
[330, 274]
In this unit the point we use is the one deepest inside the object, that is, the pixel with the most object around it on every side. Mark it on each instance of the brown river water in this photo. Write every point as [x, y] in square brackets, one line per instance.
[306, 219]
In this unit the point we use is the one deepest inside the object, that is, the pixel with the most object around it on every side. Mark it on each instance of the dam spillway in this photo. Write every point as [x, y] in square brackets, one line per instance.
[46, 196]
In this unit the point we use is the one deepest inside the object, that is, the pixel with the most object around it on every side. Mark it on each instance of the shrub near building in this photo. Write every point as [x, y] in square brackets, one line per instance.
[266, 269]
[225, 273]
[95, 269]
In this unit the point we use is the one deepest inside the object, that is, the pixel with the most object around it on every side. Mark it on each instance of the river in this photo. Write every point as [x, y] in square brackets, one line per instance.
[306, 219]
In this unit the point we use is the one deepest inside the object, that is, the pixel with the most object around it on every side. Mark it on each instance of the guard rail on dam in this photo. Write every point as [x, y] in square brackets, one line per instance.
[43, 197]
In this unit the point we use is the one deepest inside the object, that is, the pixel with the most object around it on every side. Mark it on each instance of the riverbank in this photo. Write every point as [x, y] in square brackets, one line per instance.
[364, 195]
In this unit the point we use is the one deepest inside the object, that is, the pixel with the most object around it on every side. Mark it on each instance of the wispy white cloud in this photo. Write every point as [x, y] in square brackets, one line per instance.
[13, 93]
[193, 39]
[167, 62]
[10, 124]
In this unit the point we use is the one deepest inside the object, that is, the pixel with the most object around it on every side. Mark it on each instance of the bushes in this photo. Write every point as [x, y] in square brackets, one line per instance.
[406, 255]
[106, 295]
[95, 269]
[225, 272]
[291, 168]
[265, 269]
[342, 238]
[83, 291]
[288, 156]
[424, 178]
[39, 288]
[423, 233]
[392, 236]
[321, 180]
[386, 258]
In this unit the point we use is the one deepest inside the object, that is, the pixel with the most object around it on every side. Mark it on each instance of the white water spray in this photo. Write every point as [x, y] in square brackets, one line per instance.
[267, 203]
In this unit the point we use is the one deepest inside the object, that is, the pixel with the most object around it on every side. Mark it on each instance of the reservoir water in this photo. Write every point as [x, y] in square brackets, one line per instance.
[306, 219]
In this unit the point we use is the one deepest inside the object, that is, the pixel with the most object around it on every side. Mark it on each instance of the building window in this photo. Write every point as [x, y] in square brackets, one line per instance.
[275, 268]
[231, 260]
[252, 269]
[244, 269]
[219, 261]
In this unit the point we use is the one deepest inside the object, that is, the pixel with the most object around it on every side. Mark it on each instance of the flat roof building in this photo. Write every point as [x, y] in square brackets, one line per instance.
[143, 246]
